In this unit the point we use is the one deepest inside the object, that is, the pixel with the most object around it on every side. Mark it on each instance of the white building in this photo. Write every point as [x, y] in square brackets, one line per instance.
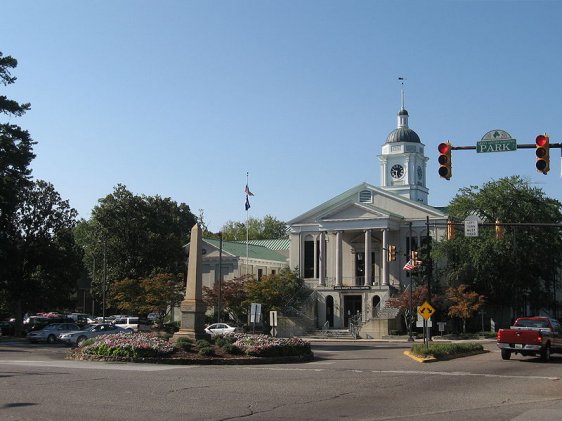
[341, 246]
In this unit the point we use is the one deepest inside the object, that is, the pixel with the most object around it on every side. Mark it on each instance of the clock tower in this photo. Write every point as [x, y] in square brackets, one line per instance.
[403, 162]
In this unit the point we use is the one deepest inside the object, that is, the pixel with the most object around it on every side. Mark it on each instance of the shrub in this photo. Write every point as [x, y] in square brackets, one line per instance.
[221, 341]
[231, 349]
[446, 349]
[202, 343]
[206, 351]
[184, 343]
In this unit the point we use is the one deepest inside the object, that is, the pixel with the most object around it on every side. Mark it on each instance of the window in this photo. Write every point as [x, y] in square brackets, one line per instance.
[309, 259]
[260, 274]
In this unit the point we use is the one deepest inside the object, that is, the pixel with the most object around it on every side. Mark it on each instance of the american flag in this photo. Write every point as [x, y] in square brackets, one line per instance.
[409, 265]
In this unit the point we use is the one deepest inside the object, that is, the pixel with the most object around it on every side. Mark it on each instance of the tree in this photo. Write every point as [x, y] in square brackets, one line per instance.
[136, 236]
[268, 228]
[45, 262]
[284, 291]
[520, 264]
[16, 154]
[464, 303]
[406, 301]
[162, 292]
[158, 293]
[233, 298]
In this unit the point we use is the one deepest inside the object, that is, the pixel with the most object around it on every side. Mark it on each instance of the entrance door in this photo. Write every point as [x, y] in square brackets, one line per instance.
[352, 307]
[330, 310]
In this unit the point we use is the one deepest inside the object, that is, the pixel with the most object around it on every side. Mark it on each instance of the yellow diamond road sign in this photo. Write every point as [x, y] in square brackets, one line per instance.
[425, 310]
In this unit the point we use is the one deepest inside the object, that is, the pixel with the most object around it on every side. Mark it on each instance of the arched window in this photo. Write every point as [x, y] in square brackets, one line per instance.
[376, 305]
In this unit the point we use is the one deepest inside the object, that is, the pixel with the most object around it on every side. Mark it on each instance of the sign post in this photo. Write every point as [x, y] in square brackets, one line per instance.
[426, 311]
[471, 226]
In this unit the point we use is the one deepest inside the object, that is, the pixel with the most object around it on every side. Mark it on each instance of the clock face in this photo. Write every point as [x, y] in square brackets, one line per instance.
[397, 171]
[420, 172]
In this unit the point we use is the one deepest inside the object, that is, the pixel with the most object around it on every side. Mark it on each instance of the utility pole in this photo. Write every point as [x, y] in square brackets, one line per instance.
[429, 269]
[411, 317]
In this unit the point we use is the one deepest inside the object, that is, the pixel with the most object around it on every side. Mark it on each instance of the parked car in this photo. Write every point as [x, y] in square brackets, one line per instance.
[82, 318]
[7, 328]
[51, 332]
[33, 323]
[153, 317]
[133, 324]
[531, 336]
[79, 336]
[220, 329]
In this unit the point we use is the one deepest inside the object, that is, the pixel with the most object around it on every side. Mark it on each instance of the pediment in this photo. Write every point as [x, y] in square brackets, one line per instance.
[349, 206]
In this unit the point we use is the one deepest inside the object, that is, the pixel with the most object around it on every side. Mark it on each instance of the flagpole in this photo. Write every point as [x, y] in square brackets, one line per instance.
[247, 228]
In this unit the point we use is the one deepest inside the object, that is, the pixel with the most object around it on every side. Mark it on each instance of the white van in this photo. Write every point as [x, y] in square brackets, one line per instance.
[133, 324]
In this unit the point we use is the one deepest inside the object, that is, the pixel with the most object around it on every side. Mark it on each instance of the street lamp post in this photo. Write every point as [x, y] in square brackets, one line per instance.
[104, 286]
[220, 279]
[411, 315]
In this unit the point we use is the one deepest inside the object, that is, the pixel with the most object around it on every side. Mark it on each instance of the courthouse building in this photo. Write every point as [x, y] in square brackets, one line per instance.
[341, 246]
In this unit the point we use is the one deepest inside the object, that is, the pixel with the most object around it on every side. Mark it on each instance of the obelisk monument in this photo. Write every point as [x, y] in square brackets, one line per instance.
[192, 307]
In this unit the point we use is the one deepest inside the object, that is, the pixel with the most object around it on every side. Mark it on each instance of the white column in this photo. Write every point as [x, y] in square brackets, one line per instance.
[338, 258]
[384, 259]
[368, 263]
[322, 264]
[315, 238]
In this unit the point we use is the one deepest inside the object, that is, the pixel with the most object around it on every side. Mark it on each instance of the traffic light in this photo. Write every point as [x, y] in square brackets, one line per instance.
[445, 170]
[391, 253]
[500, 230]
[542, 143]
[450, 230]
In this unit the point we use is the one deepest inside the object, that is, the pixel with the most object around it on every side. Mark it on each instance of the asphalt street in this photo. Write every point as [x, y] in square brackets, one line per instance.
[353, 380]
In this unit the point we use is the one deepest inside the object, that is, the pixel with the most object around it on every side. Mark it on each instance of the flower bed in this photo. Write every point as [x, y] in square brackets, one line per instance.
[139, 345]
[237, 348]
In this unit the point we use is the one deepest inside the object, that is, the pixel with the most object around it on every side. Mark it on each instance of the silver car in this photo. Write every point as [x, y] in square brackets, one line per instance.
[51, 332]
[78, 337]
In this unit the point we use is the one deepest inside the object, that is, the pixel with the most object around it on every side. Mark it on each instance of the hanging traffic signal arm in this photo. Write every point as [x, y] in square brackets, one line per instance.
[542, 148]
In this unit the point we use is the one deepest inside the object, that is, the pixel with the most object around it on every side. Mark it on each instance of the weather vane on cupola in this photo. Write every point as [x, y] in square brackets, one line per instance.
[402, 79]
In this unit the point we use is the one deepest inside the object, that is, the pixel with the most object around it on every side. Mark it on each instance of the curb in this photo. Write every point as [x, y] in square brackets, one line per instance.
[420, 359]
[445, 358]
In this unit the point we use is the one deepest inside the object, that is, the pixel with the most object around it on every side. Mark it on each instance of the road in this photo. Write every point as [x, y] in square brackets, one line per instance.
[352, 380]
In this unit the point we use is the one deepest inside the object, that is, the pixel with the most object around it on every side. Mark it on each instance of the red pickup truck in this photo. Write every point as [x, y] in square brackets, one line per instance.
[531, 336]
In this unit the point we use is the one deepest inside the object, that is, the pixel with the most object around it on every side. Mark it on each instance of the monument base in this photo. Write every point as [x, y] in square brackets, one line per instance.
[192, 321]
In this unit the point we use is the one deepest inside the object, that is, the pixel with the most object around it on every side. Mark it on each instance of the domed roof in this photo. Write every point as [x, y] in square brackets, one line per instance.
[403, 134]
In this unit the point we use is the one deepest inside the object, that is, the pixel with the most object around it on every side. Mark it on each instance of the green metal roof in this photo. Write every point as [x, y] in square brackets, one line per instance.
[279, 244]
[238, 248]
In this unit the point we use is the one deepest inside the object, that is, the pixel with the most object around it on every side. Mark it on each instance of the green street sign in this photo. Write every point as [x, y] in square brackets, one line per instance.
[496, 141]
[496, 146]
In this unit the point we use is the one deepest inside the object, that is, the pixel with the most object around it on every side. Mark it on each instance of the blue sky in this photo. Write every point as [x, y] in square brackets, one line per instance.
[182, 98]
